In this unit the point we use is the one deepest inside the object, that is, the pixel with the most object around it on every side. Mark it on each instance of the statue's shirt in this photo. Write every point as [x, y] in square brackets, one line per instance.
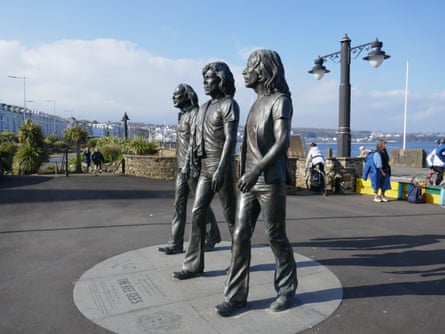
[210, 133]
[260, 136]
[183, 134]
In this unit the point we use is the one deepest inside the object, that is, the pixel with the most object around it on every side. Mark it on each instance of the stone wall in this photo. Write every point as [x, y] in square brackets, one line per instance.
[154, 167]
[348, 168]
[165, 168]
[408, 158]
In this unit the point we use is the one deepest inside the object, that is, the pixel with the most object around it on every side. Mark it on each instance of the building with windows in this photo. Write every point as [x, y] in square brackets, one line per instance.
[11, 117]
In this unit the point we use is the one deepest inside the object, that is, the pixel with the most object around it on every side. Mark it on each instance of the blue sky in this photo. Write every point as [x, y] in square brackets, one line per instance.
[100, 58]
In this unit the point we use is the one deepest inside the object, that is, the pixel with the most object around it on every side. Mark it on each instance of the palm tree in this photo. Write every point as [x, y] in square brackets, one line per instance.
[32, 151]
[76, 135]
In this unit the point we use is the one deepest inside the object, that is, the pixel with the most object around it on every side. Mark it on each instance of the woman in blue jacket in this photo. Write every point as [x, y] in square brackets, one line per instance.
[379, 171]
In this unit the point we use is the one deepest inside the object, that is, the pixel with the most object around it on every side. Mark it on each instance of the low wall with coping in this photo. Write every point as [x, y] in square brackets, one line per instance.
[165, 168]
[151, 166]
[408, 158]
[349, 168]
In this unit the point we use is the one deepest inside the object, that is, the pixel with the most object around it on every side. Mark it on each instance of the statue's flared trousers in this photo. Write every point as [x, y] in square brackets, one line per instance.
[271, 201]
[184, 187]
[194, 257]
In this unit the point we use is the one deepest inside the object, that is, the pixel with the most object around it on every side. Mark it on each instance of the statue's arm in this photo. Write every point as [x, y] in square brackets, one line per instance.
[281, 131]
[230, 131]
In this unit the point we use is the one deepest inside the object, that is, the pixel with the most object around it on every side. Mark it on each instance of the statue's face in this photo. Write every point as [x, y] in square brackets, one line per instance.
[250, 73]
[179, 98]
[211, 83]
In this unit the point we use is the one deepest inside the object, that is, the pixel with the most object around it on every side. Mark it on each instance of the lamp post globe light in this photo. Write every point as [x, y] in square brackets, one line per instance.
[375, 57]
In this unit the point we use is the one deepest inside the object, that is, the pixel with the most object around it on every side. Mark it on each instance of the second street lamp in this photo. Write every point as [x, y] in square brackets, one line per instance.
[125, 119]
[375, 57]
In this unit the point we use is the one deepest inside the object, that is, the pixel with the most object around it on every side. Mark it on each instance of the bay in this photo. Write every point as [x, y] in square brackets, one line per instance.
[355, 147]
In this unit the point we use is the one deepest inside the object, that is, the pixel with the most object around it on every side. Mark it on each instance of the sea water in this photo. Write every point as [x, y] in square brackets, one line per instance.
[355, 147]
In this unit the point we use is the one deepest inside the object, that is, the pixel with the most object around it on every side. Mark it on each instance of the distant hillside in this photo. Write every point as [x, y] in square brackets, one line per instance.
[327, 135]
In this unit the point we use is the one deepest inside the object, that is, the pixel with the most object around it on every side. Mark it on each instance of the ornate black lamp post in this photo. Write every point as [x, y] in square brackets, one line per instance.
[375, 57]
[125, 119]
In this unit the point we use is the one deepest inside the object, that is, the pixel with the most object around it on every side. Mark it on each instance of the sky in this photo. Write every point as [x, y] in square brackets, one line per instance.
[96, 59]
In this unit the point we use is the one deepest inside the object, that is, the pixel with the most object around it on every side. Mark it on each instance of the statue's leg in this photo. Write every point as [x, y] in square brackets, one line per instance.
[180, 214]
[194, 258]
[237, 284]
[229, 198]
[273, 206]
[213, 235]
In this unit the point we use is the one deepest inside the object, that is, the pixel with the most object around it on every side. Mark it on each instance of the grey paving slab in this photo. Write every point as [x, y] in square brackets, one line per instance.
[389, 257]
[132, 293]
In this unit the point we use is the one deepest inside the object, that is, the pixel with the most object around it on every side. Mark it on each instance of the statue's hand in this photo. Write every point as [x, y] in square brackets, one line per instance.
[185, 171]
[248, 180]
[217, 180]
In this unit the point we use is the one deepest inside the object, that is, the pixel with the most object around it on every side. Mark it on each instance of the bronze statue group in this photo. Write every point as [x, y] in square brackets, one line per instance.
[206, 139]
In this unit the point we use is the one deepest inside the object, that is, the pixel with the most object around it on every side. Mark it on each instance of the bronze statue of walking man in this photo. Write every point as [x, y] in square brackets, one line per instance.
[263, 184]
[215, 140]
[186, 99]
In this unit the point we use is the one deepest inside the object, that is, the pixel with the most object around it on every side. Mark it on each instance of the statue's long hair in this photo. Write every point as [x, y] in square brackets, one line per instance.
[222, 71]
[190, 94]
[272, 69]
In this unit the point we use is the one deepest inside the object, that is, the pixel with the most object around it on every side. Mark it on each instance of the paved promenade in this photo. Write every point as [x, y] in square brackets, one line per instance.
[384, 263]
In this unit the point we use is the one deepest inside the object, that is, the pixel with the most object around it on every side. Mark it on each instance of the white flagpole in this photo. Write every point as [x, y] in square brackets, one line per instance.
[406, 107]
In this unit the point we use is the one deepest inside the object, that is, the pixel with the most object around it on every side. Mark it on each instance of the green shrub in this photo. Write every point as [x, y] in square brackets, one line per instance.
[28, 159]
[140, 146]
[8, 137]
[32, 151]
[111, 152]
[92, 143]
[7, 151]
[59, 146]
[8, 148]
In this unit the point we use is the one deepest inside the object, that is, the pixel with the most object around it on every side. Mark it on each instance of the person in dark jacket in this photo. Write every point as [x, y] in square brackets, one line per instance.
[87, 156]
[98, 159]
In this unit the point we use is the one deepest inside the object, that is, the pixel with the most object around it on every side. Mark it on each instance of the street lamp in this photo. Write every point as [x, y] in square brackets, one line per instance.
[125, 119]
[24, 91]
[375, 57]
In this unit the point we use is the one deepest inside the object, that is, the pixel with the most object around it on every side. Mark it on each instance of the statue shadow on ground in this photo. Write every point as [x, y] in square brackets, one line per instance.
[402, 257]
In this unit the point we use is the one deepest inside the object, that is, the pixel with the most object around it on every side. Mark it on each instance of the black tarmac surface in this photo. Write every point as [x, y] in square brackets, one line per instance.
[389, 257]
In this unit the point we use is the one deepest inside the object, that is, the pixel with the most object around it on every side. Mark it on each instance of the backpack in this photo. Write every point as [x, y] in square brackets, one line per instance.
[415, 195]
[369, 162]
[315, 180]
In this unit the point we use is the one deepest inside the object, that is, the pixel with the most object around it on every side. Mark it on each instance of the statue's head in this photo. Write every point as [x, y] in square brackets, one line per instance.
[271, 69]
[184, 96]
[221, 71]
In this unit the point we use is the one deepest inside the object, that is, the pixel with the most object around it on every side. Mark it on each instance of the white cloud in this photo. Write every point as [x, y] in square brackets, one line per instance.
[103, 78]
[98, 79]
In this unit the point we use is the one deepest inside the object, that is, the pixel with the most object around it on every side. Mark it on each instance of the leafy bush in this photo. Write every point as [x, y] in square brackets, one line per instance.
[28, 159]
[92, 143]
[8, 148]
[7, 151]
[8, 137]
[59, 146]
[140, 146]
[32, 151]
[111, 152]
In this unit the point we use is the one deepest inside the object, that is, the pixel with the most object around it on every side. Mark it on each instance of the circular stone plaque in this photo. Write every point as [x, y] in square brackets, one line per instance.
[133, 293]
